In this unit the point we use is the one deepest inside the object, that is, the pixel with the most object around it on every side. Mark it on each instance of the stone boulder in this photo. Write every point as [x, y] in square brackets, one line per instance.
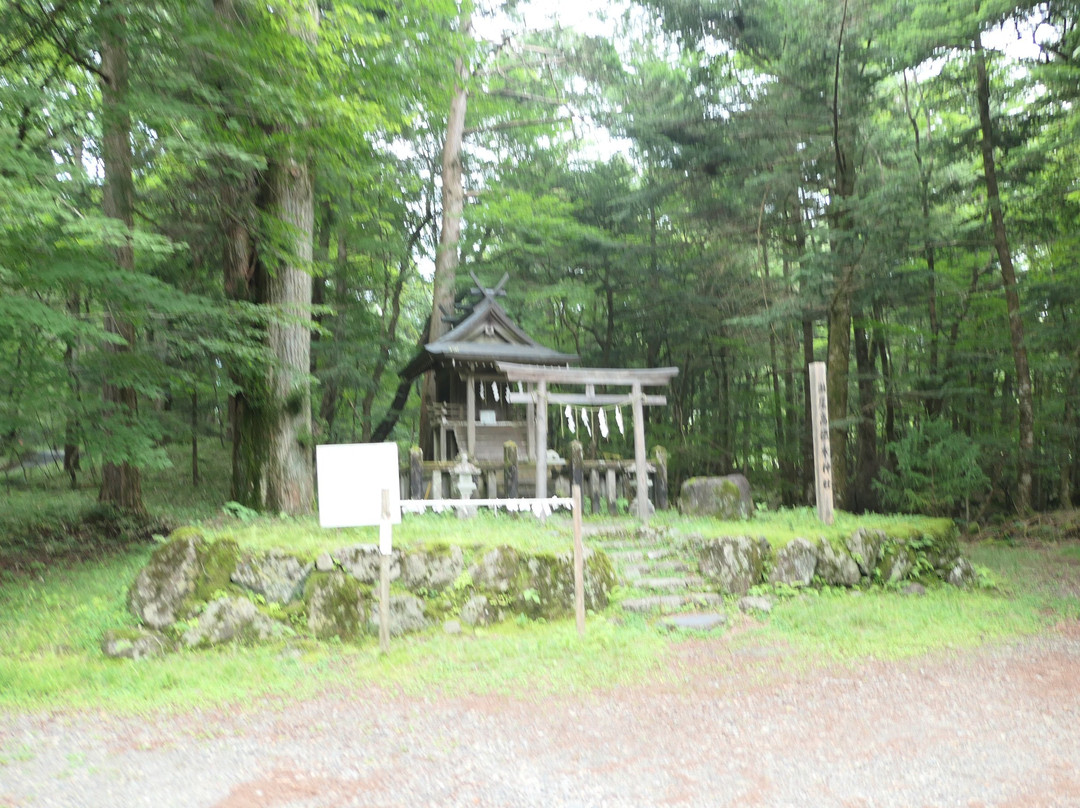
[943, 551]
[865, 548]
[232, 619]
[276, 575]
[548, 589]
[726, 498]
[433, 568]
[162, 587]
[733, 563]
[895, 562]
[795, 564]
[497, 570]
[182, 573]
[361, 561]
[963, 574]
[406, 615]
[336, 605]
[134, 643]
[835, 567]
[478, 612]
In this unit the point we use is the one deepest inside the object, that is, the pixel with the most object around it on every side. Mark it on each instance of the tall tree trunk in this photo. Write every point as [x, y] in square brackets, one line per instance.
[447, 254]
[272, 457]
[73, 427]
[842, 239]
[1025, 404]
[862, 495]
[121, 485]
[453, 201]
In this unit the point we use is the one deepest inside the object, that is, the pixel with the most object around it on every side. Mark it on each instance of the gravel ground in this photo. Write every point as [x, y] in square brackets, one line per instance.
[992, 727]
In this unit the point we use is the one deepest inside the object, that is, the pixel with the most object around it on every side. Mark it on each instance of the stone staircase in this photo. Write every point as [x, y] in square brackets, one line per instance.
[661, 576]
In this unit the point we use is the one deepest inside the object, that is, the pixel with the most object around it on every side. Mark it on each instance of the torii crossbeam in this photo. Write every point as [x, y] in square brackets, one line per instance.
[539, 377]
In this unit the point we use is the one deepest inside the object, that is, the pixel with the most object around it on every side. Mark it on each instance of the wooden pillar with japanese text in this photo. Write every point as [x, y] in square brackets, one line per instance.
[819, 427]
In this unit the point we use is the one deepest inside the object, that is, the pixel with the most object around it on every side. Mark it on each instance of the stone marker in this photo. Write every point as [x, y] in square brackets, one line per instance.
[726, 498]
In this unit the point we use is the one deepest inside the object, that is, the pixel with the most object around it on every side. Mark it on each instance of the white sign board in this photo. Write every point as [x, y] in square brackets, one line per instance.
[352, 477]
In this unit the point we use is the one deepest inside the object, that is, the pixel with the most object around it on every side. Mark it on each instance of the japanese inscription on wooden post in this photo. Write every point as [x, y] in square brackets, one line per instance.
[819, 422]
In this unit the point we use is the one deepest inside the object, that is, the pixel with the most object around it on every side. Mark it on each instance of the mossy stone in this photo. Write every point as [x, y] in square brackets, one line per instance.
[217, 561]
[336, 605]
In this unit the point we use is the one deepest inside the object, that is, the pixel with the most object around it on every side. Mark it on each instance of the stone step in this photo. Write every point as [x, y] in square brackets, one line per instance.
[695, 621]
[669, 584]
[671, 603]
[626, 544]
[655, 569]
[599, 533]
[630, 556]
[670, 565]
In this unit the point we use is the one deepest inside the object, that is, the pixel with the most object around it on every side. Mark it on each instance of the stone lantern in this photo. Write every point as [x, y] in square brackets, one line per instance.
[465, 472]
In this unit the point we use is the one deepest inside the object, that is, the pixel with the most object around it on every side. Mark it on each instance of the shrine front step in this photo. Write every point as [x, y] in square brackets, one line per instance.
[665, 604]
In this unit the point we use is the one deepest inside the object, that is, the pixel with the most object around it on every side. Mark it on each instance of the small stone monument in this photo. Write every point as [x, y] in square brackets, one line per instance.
[464, 473]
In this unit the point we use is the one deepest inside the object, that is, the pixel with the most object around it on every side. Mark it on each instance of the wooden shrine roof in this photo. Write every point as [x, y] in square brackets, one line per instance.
[485, 336]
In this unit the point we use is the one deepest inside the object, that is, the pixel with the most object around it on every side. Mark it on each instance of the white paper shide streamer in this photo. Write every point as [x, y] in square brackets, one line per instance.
[601, 420]
[570, 419]
[586, 419]
[619, 421]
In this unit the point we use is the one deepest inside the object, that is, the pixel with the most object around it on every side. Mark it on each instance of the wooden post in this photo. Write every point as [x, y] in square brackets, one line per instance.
[436, 484]
[594, 492]
[385, 548]
[579, 563]
[492, 486]
[577, 464]
[510, 469]
[470, 415]
[640, 462]
[530, 427]
[541, 440]
[660, 478]
[819, 427]
[611, 492]
[416, 473]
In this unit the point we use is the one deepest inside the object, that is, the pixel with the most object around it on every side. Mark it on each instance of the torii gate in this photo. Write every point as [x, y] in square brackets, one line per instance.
[541, 376]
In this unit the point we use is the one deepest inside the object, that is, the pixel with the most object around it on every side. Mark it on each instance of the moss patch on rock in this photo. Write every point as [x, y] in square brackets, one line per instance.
[337, 605]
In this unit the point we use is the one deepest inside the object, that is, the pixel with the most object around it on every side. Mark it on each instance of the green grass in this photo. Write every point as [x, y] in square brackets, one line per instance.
[304, 537]
[1026, 590]
[53, 625]
[880, 624]
[52, 615]
[780, 527]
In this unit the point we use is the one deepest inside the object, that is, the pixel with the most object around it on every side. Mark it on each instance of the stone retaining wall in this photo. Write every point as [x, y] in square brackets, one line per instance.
[734, 564]
[196, 593]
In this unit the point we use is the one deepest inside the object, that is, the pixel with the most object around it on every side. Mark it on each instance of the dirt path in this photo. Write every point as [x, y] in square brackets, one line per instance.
[994, 727]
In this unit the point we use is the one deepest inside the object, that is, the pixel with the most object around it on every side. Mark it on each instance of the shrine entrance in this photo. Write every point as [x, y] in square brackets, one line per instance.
[540, 380]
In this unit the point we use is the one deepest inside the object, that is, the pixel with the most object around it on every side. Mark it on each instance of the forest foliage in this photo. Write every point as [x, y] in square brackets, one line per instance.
[218, 221]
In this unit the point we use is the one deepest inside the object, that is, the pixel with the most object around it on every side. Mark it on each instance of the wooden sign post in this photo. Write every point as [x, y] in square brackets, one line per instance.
[353, 491]
[579, 563]
[819, 424]
[385, 549]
